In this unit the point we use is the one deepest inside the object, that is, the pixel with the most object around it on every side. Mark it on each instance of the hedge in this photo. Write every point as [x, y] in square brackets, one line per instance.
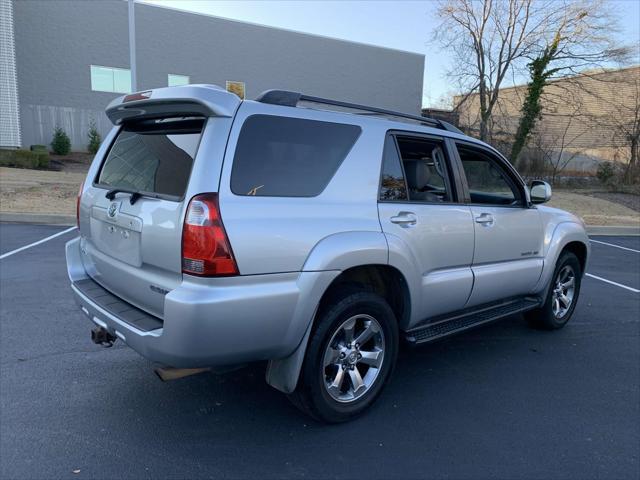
[24, 159]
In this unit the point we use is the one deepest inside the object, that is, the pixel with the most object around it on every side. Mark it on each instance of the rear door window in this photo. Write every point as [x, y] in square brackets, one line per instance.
[425, 169]
[154, 156]
[289, 157]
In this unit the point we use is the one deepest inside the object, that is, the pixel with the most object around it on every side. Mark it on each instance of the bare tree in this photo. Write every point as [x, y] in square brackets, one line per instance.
[630, 131]
[490, 39]
[622, 119]
[557, 148]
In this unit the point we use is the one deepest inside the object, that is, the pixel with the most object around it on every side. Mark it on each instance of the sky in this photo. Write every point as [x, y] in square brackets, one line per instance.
[403, 25]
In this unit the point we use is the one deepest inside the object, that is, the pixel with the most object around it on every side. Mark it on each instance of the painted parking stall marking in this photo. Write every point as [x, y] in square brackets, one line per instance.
[606, 280]
[616, 246]
[635, 290]
[46, 239]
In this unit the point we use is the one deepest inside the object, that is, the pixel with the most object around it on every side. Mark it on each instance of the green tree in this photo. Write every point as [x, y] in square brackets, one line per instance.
[61, 145]
[94, 138]
[532, 107]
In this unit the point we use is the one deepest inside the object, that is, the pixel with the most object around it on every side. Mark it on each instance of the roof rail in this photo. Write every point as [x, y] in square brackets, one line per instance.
[290, 99]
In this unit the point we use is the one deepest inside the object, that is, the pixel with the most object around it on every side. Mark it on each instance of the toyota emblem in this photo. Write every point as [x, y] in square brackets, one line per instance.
[113, 209]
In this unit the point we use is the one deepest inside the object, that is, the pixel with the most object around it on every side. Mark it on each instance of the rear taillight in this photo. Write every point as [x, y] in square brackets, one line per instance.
[78, 204]
[205, 245]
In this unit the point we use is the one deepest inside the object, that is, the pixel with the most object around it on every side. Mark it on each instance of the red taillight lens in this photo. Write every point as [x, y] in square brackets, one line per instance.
[78, 204]
[205, 246]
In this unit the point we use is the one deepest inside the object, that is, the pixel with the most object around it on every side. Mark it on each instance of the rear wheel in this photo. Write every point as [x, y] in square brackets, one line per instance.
[562, 297]
[350, 357]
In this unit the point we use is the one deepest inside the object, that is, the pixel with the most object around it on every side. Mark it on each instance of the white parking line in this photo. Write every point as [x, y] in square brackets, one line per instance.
[617, 246]
[8, 254]
[635, 290]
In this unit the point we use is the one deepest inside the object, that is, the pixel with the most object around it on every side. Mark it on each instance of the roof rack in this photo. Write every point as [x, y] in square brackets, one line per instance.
[288, 98]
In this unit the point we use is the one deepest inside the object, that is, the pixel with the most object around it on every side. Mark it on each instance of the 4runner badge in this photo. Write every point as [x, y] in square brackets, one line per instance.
[113, 209]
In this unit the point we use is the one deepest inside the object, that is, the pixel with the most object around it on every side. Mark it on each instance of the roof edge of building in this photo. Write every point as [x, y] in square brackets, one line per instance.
[586, 73]
[282, 29]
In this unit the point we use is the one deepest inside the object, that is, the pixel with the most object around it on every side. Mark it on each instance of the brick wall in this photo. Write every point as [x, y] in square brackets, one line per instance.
[584, 110]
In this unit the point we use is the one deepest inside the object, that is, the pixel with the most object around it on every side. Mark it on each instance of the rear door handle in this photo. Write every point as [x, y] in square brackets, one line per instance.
[485, 219]
[404, 219]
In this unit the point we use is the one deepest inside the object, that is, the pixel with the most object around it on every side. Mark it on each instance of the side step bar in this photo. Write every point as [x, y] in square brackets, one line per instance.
[468, 319]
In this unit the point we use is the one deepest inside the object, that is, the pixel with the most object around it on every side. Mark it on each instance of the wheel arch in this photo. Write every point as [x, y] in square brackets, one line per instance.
[567, 236]
[580, 250]
[383, 279]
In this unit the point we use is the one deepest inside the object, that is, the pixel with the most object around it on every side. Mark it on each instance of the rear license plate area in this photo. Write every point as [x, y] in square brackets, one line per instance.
[118, 236]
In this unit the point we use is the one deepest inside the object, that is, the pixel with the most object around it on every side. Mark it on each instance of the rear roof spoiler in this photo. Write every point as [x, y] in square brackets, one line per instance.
[206, 100]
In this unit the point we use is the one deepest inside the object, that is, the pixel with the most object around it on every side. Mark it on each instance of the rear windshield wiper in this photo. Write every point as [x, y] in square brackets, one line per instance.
[135, 195]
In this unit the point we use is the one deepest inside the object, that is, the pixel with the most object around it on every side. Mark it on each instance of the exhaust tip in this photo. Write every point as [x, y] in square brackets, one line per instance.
[167, 374]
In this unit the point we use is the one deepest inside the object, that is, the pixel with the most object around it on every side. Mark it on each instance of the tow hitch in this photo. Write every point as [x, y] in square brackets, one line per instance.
[101, 336]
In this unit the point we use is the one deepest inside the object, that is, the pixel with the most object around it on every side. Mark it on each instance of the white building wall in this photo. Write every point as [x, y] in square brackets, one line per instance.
[9, 112]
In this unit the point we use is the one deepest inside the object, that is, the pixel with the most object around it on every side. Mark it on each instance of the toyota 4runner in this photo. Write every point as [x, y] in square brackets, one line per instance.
[311, 233]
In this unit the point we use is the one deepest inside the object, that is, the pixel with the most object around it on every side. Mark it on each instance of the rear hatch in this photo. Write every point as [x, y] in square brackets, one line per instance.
[135, 195]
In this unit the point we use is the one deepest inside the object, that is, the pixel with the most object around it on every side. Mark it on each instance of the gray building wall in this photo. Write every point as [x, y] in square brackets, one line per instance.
[57, 41]
[9, 110]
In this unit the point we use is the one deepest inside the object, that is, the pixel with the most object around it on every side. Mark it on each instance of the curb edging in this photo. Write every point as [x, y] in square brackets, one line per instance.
[612, 230]
[38, 218]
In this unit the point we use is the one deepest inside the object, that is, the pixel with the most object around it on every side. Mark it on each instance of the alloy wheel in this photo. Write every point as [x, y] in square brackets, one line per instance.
[564, 288]
[353, 358]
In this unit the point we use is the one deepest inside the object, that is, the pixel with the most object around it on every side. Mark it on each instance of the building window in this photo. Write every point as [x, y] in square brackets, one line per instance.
[176, 80]
[109, 79]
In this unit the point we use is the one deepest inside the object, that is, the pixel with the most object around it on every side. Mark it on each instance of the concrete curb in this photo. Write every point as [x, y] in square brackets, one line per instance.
[38, 218]
[612, 230]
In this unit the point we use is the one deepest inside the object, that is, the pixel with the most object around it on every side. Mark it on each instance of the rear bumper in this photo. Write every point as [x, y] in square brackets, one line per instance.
[210, 322]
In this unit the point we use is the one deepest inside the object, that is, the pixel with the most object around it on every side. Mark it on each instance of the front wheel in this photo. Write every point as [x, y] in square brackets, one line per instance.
[562, 297]
[350, 357]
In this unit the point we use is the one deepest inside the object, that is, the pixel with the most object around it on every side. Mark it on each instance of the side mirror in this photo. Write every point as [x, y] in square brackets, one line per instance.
[540, 191]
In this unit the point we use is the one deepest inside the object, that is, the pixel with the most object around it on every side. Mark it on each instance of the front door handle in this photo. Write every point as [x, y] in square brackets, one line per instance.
[485, 219]
[404, 219]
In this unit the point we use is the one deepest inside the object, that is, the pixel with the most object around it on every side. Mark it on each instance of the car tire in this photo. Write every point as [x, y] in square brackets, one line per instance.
[562, 296]
[350, 357]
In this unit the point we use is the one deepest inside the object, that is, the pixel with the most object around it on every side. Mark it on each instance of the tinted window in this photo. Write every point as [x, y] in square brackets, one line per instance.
[154, 156]
[393, 186]
[488, 183]
[288, 157]
[425, 169]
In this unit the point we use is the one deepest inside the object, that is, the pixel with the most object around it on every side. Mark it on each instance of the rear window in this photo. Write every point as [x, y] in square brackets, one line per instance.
[289, 157]
[154, 156]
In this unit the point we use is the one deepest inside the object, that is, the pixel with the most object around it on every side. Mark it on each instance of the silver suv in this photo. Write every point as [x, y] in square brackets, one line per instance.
[310, 233]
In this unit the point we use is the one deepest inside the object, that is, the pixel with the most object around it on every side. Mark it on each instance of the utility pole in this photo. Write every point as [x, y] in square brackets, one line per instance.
[132, 46]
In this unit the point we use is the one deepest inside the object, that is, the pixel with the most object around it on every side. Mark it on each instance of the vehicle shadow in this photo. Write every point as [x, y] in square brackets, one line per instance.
[426, 377]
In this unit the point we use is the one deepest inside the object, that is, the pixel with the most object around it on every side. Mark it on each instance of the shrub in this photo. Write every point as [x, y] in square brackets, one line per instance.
[606, 172]
[24, 159]
[61, 145]
[94, 138]
[42, 148]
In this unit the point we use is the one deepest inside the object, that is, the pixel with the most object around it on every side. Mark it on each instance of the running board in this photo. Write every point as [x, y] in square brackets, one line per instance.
[467, 319]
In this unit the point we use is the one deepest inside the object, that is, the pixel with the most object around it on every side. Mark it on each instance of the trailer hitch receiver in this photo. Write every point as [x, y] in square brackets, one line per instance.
[101, 336]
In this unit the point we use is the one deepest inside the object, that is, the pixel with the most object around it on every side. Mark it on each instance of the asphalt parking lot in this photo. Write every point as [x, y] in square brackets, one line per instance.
[502, 402]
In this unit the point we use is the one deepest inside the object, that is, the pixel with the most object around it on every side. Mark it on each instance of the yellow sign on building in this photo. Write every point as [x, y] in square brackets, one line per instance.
[236, 87]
